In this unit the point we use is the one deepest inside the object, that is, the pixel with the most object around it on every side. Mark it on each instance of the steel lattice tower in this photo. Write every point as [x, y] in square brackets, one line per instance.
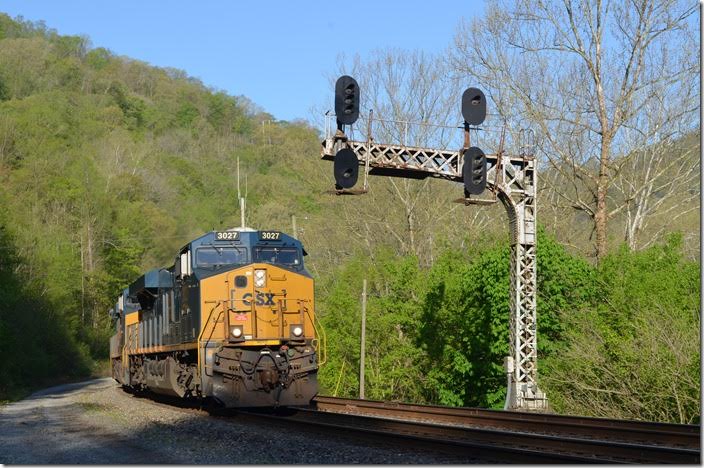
[512, 180]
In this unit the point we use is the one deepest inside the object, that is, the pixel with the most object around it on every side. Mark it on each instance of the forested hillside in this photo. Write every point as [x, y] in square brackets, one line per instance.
[109, 165]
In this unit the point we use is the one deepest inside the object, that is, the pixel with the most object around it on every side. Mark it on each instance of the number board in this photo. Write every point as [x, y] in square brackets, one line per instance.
[269, 235]
[227, 235]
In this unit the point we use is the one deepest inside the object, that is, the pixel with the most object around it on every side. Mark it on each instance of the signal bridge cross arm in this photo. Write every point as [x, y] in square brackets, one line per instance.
[511, 179]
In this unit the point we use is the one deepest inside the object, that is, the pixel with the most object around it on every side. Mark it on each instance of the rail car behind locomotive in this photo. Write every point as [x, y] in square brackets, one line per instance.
[232, 319]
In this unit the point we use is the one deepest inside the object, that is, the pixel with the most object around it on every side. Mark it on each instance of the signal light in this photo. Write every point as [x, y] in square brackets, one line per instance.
[473, 106]
[474, 171]
[346, 169]
[346, 100]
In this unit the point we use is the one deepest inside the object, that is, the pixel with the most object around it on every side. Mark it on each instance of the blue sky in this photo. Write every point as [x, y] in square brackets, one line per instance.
[276, 53]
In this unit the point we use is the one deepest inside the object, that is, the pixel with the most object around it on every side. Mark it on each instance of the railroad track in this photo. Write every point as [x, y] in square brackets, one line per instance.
[589, 439]
[486, 444]
[467, 435]
[673, 435]
[451, 444]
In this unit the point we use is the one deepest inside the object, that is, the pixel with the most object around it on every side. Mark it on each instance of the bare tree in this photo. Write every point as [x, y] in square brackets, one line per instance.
[660, 180]
[652, 375]
[602, 83]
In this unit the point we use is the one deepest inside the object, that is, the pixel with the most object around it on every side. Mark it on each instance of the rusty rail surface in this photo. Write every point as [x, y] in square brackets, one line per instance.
[655, 439]
[451, 444]
[676, 435]
[484, 444]
[464, 443]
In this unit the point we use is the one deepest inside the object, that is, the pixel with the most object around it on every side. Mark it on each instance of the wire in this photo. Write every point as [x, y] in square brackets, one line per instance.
[110, 242]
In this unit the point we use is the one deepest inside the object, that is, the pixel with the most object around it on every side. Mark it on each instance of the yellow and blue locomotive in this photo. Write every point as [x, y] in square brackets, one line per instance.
[233, 319]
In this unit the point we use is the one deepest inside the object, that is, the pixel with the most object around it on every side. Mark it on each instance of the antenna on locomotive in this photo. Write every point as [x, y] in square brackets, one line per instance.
[242, 200]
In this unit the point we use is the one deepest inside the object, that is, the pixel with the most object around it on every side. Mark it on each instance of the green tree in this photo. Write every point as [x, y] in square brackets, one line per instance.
[465, 326]
[393, 319]
[37, 345]
[634, 352]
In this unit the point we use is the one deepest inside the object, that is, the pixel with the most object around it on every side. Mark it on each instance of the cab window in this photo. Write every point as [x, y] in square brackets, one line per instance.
[213, 256]
[278, 255]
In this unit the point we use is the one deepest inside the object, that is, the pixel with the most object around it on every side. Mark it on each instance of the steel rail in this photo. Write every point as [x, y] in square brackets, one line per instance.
[676, 435]
[495, 444]
[418, 436]
[451, 451]
[458, 442]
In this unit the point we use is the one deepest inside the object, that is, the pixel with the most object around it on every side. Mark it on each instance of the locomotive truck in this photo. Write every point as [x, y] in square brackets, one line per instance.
[233, 319]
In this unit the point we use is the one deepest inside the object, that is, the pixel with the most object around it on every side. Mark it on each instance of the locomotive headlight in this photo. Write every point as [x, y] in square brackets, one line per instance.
[236, 331]
[296, 330]
[260, 278]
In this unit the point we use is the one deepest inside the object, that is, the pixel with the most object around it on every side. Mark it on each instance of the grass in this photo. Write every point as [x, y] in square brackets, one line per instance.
[92, 407]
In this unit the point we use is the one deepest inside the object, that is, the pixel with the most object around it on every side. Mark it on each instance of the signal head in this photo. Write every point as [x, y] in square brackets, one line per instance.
[474, 171]
[473, 106]
[346, 169]
[346, 100]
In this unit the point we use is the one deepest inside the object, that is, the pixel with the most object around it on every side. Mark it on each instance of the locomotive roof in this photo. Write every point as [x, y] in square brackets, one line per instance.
[246, 237]
[241, 237]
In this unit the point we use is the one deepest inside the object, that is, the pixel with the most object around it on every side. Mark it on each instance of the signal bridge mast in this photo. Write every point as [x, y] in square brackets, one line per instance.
[510, 179]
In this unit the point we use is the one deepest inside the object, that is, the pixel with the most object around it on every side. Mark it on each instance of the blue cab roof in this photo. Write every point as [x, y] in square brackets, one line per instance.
[246, 239]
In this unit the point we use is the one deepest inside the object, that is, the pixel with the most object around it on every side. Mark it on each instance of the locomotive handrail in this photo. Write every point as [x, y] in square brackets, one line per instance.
[283, 308]
[324, 339]
[131, 331]
[201, 366]
[123, 354]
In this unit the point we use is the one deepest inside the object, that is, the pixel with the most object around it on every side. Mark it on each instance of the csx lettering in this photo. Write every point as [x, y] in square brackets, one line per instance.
[261, 299]
[245, 299]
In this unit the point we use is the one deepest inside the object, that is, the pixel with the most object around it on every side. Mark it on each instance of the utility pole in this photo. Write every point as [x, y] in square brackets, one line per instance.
[83, 288]
[363, 340]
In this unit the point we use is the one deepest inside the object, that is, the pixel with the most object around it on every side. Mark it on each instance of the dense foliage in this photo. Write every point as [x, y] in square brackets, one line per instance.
[447, 325]
[618, 340]
[634, 352]
[38, 346]
[108, 165]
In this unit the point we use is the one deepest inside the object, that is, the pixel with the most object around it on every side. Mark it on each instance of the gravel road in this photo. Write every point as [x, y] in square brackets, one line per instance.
[95, 422]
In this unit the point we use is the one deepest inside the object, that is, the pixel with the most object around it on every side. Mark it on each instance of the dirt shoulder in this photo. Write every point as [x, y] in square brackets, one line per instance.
[95, 422]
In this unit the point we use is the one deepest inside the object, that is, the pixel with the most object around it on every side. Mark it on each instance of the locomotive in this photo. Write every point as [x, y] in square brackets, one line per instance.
[232, 319]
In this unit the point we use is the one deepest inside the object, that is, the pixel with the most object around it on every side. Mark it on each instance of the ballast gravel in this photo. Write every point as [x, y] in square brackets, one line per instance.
[96, 422]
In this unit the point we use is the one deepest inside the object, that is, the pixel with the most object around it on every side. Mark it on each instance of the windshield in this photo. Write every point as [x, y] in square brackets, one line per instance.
[282, 256]
[213, 256]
